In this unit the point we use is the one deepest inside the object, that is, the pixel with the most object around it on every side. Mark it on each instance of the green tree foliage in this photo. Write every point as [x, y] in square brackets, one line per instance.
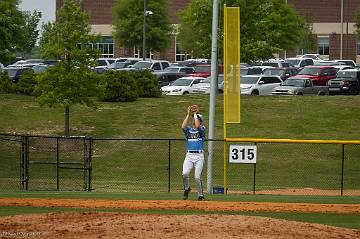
[128, 23]
[27, 82]
[71, 81]
[195, 28]
[6, 85]
[147, 84]
[18, 32]
[30, 31]
[267, 27]
[119, 86]
[357, 22]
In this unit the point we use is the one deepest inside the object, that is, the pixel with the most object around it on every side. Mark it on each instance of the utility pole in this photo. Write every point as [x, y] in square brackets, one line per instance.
[213, 88]
[144, 32]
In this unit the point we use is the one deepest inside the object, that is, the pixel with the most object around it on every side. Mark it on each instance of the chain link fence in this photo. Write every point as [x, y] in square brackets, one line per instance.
[155, 165]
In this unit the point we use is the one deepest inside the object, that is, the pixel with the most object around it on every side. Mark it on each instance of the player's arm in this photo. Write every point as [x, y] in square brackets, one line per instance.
[184, 124]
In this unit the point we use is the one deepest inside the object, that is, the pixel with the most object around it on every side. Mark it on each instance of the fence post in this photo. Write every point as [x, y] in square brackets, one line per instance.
[57, 165]
[254, 179]
[22, 162]
[89, 164]
[169, 165]
[25, 147]
[342, 168]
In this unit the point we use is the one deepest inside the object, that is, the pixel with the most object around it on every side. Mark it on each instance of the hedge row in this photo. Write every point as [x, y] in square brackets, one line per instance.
[116, 86]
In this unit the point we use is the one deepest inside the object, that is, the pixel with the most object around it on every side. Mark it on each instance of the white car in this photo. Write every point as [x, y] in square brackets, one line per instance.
[203, 87]
[258, 84]
[181, 86]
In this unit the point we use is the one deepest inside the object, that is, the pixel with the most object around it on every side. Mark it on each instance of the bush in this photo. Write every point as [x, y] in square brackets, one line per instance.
[6, 85]
[147, 83]
[119, 86]
[26, 83]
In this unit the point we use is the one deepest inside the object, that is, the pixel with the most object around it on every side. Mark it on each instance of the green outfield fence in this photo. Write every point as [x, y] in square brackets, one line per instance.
[36, 163]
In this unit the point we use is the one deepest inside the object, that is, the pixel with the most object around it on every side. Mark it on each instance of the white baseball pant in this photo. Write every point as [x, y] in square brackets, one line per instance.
[193, 160]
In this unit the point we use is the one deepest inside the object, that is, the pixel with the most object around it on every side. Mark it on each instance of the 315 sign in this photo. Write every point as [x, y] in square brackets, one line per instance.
[242, 153]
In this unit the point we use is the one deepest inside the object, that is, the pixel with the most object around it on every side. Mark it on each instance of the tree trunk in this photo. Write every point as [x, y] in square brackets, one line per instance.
[67, 121]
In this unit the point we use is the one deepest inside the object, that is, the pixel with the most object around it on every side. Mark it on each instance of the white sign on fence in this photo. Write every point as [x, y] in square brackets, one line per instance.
[242, 153]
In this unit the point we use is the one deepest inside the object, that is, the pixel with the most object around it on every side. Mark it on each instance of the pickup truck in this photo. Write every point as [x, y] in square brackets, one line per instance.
[299, 86]
[347, 82]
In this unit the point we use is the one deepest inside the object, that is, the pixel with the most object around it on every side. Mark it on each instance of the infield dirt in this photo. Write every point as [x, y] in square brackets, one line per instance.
[135, 225]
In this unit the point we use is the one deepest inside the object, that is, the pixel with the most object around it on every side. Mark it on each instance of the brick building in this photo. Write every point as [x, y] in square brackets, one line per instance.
[326, 16]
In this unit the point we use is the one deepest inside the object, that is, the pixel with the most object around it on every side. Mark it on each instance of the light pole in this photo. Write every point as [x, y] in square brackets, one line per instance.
[144, 32]
[146, 13]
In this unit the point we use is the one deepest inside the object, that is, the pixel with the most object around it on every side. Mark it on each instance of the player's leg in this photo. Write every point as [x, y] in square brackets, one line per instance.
[199, 164]
[187, 166]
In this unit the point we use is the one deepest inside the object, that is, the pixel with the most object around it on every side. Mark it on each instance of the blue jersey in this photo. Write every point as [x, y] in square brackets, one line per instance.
[195, 137]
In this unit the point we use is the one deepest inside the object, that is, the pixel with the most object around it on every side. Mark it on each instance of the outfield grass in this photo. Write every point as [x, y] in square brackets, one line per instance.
[312, 117]
[143, 165]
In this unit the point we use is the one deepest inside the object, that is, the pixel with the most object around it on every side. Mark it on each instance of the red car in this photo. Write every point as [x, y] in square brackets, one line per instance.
[319, 75]
[204, 70]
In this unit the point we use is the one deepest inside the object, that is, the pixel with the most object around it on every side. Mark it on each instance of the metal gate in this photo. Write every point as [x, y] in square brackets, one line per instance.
[55, 163]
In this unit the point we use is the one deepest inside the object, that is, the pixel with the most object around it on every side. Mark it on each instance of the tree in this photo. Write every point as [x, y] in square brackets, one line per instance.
[128, 23]
[31, 32]
[17, 30]
[71, 81]
[195, 28]
[267, 27]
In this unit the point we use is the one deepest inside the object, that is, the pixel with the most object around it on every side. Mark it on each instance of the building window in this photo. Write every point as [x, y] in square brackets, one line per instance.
[179, 55]
[106, 46]
[323, 45]
[138, 53]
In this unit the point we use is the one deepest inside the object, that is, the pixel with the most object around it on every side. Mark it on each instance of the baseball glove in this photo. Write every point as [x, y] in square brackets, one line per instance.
[194, 108]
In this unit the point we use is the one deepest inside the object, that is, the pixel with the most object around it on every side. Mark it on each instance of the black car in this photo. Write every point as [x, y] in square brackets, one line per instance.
[347, 82]
[15, 73]
[166, 78]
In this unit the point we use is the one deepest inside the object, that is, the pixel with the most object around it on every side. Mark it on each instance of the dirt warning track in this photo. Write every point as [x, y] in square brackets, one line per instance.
[183, 205]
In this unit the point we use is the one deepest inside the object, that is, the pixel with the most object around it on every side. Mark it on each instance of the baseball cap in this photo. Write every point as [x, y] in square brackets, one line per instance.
[200, 117]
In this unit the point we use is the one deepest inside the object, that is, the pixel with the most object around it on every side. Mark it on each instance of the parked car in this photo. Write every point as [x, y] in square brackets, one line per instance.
[185, 69]
[181, 86]
[284, 73]
[221, 83]
[347, 62]
[320, 75]
[258, 84]
[300, 62]
[27, 63]
[277, 63]
[103, 64]
[256, 70]
[153, 65]
[347, 82]
[166, 78]
[300, 86]
[15, 73]
[315, 57]
[204, 70]
[40, 68]
[203, 87]
[118, 65]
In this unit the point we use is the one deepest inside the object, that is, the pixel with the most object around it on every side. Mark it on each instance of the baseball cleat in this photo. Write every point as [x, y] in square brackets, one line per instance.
[186, 193]
[201, 198]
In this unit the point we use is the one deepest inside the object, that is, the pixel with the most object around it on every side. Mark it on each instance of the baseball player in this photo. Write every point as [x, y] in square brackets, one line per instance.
[195, 138]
